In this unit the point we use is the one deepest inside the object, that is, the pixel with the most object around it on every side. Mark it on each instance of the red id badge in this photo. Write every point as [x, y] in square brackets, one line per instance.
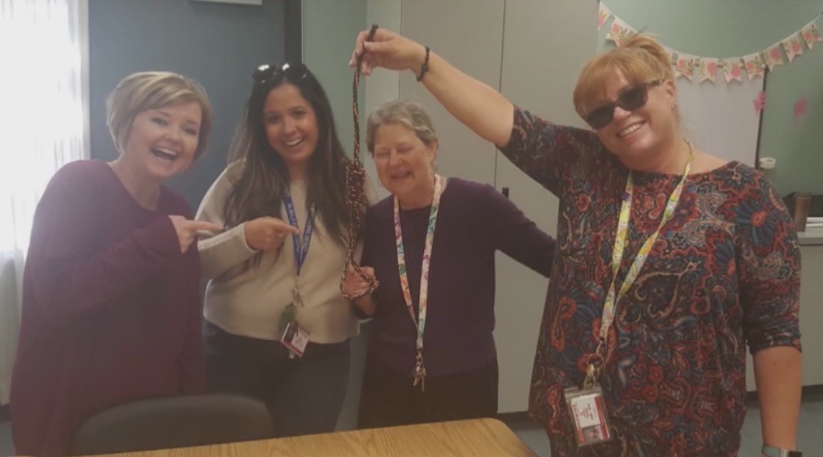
[588, 414]
[295, 339]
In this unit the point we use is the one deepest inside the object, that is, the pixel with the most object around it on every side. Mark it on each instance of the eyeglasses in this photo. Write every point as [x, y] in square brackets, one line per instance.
[630, 100]
[269, 73]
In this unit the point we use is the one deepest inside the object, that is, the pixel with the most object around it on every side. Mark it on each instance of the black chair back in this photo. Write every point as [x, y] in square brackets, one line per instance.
[172, 422]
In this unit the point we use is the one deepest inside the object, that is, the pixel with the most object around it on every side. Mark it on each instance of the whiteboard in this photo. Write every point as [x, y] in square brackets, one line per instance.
[719, 117]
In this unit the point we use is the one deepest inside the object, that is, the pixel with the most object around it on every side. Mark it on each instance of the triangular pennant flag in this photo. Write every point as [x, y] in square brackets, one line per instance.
[603, 15]
[755, 66]
[671, 52]
[811, 34]
[732, 68]
[619, 31]
[685, 65]
[707, 69]
[774, 57]
[792, 47]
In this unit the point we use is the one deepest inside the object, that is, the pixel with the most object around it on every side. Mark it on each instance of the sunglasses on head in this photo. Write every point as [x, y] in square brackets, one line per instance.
[269, 73]
[630, 100]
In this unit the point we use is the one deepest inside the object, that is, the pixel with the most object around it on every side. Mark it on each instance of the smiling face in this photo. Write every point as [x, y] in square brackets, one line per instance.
[162, 142]
[637, 134]
[291, 125]
[405, 164]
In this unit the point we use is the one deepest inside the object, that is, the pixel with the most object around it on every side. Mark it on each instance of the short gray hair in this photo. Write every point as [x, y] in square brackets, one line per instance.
[406, 112]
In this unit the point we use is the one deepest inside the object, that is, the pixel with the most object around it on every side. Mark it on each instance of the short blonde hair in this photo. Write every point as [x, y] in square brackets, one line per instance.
[143, 91]
[406, 112]
[639, 58]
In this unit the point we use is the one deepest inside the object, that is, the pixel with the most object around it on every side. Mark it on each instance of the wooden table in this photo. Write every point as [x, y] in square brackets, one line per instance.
[471, 438]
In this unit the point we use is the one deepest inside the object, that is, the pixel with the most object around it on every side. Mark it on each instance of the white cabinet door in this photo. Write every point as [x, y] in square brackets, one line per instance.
[811, 318]
[545, 45]
[468, 34]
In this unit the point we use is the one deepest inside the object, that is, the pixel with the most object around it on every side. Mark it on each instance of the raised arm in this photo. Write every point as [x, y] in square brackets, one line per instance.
[542, 150]
[480, 107]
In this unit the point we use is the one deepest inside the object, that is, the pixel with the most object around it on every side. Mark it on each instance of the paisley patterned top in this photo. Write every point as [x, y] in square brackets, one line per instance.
[724, 273]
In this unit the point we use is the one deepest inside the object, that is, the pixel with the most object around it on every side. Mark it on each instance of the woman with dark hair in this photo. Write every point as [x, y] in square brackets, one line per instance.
[277, 326]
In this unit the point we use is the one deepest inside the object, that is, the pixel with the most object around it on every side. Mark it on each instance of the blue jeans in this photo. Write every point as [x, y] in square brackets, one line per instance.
[304, 395]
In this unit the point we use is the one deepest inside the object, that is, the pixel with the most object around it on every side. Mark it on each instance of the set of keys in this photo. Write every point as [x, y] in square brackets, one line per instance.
[419, 372]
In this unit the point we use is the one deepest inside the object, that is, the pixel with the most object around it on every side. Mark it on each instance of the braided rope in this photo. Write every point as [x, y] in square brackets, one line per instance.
[356, 191]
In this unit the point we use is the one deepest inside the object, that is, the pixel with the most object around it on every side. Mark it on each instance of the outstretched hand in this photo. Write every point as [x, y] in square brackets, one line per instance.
[187, 230]
[355, 285]
[387, 50]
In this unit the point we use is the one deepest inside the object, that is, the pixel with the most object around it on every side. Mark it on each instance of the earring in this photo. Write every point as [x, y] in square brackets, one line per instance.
[674, 105]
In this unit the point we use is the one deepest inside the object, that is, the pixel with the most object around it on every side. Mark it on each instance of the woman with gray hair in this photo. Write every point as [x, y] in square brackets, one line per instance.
[111, 301]
[433, 241]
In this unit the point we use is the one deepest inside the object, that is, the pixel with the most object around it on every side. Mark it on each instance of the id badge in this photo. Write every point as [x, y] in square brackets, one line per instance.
[588, 414]
[295, 339]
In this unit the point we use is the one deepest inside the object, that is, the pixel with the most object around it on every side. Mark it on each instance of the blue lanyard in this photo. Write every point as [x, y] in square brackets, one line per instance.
[301, 250]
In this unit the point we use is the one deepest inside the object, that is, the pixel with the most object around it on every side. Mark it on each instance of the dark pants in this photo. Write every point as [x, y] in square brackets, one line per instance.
[304, 395]
[388, 397]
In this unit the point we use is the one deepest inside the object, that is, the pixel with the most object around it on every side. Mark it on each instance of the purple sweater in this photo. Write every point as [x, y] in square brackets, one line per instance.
[111, 308]
[473, 223]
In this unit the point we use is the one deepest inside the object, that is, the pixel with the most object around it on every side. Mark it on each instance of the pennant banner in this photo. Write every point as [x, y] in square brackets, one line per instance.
[755, 65]
[811, 34]
[685, 65]
[698, 68]
[707, 69]
[602, 16]
[774, 57]
[619, 31]
[792, 47]
[733, 70]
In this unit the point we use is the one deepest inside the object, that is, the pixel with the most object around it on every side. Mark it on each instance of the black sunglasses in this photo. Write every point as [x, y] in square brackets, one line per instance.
[270, 73]
[629, 100]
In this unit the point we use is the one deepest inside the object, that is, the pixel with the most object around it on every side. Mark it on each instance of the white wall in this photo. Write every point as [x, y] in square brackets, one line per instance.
[546, 44]
[811, 316]
[9, 320]
[329, 29]
[381, 86]
[468, 34]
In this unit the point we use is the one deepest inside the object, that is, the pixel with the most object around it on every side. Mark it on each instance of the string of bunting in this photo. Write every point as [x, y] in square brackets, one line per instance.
[707, 68]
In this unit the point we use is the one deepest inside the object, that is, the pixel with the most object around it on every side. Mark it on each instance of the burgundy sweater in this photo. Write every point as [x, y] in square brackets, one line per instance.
[111, 308]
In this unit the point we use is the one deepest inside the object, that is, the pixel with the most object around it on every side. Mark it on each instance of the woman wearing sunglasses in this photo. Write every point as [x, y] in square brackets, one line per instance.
[277, 326]
[670, 262]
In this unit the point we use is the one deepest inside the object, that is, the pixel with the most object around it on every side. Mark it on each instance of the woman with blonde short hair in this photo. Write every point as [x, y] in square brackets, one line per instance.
[111, 306]
[670, 262]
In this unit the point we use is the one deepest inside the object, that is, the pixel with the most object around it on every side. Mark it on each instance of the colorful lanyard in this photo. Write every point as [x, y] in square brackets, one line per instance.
[301, 249]
[420, 322]
[620, 243]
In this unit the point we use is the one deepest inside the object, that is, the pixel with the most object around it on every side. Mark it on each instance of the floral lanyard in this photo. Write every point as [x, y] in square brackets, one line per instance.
[419, 372]
[613, 297]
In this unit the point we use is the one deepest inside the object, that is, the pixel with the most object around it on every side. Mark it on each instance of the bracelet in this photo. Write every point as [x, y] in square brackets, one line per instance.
[425, 66]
